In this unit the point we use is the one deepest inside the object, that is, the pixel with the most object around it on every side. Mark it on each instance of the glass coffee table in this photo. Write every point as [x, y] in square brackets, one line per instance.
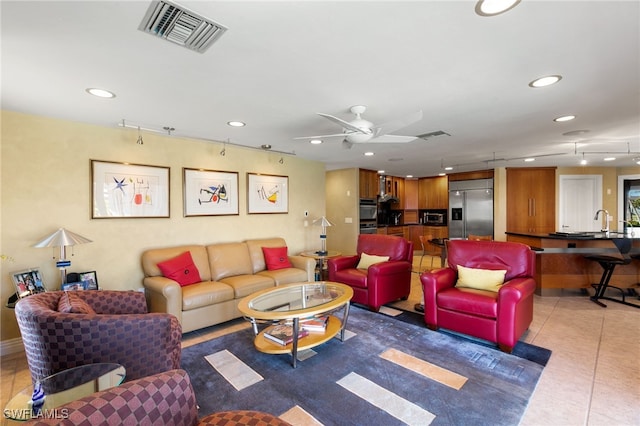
[63, 387]
[292, 303]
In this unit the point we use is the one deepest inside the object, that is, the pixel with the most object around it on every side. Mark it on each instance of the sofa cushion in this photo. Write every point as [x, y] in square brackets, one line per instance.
[244, 285]
[367, 260]
[276, 258]
[228, 260]
[480, 279]
[469, 301]
[71, 303]
[286, 276]
[181, 269]
[205, 294]
[352, 277]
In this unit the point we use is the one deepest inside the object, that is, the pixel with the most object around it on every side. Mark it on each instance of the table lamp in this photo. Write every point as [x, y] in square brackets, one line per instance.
[62, 238]
[323, 237]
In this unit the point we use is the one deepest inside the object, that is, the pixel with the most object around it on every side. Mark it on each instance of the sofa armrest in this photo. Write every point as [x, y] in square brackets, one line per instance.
[307, 264]
[164, 295]
[132, 403]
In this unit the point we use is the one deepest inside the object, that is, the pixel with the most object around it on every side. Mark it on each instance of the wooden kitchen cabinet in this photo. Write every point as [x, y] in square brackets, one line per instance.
[369, 183]
[411, 194]
[531, 199]
[433, 193]
[397, 190]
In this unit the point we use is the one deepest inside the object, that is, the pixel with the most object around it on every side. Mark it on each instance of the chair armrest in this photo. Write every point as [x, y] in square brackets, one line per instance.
[433, 282]
[343, 262]
[390, 267]
[164, 295]
[515, 290]
[127, 404]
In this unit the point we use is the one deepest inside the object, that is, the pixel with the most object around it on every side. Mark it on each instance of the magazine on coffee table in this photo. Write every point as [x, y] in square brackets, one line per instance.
[283, 334]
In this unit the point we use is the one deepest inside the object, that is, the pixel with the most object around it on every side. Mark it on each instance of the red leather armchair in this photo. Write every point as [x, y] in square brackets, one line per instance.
[499, 317]
[382, 282]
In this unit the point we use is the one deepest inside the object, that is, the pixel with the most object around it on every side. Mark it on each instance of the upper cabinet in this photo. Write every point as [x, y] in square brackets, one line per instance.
[369, 183]
[411, 194]
[433, 193]
[531, 199]
[395, 187]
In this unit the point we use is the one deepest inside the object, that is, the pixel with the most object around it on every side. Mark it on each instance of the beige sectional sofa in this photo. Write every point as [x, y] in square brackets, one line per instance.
[228, 272]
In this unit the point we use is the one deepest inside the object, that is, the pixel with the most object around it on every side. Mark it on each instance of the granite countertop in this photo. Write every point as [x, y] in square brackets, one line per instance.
[591, 235]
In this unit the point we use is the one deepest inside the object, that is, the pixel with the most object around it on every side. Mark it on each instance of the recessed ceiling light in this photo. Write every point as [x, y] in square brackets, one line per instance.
[380, 172]
[564, 118]
[545, 81]
[236, 123]
[609, 158]
[315, 141]
[368, 154]
[409, 176]
[442, 174]
[448, 168]
[528, 160]
[494, 7]
[101, 93]
[575, 132]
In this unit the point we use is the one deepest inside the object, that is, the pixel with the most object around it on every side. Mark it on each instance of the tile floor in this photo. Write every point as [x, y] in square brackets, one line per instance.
[592, 378]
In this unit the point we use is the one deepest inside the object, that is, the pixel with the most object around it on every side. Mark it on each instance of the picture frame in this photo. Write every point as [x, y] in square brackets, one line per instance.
[125, 190]
[209, 192]
[90, 278]
[267, 193]
[28, 282]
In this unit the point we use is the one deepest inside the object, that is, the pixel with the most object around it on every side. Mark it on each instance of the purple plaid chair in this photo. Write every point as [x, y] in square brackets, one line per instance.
[120, 331]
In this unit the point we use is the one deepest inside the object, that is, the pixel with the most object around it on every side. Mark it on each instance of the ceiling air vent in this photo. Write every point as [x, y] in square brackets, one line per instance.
[181, 26]
[429, 135]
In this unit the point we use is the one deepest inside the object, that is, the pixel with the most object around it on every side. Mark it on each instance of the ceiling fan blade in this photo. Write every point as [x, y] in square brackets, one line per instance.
[322, 136]
[400, 123]
[344, 124]
[392, 139]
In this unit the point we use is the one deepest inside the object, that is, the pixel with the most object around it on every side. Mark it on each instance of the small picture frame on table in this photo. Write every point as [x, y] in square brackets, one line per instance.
[28, 282]
[81, 281]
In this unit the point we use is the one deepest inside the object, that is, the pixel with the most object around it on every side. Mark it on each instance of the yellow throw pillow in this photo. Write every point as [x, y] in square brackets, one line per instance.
[367, 260]
[481, 279]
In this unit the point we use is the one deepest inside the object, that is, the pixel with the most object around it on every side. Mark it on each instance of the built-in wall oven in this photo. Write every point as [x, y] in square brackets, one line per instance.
[368, 216]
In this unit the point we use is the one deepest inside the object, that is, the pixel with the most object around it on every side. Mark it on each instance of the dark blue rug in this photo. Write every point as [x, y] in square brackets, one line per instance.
[497, 390]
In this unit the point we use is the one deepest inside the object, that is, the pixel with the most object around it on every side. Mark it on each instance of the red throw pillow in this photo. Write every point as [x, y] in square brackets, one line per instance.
[71, 303]
[181, 269]
[276, 258]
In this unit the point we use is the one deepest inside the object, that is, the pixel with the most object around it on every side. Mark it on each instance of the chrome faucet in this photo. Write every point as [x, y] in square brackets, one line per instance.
[606, 220]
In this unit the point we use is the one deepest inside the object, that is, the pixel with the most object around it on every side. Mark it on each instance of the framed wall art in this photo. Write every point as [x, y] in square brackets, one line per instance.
[124, 190]
[267, 193]
[209, 192]
[28, 282]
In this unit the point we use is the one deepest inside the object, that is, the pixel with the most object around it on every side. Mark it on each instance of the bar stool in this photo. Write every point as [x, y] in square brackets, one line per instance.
[608, 264]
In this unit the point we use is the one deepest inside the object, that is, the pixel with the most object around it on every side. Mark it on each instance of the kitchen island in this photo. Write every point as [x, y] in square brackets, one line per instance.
[561, 262]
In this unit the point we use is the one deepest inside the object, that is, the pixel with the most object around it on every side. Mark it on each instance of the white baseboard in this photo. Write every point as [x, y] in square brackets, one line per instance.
[11, 346]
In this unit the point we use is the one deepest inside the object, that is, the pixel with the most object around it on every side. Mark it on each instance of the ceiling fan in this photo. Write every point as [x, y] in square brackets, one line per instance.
[363, 131]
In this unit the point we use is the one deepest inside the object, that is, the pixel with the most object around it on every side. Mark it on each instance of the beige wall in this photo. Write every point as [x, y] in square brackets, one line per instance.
[45, 185]
[342, 189]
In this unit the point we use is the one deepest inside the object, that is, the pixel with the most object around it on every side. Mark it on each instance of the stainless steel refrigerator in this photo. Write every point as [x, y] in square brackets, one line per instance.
[470, 208]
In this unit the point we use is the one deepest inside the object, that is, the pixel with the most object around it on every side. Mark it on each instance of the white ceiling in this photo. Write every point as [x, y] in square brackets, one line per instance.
[282, 62]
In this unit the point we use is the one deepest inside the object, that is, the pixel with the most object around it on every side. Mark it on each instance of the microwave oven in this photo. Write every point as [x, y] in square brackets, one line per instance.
[368, 210]
[434, 218]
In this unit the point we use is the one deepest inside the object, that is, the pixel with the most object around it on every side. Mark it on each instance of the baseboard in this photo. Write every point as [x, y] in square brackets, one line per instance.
[11, 346]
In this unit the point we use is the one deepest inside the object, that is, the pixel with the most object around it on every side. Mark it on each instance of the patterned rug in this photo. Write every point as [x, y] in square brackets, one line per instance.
[387, 372]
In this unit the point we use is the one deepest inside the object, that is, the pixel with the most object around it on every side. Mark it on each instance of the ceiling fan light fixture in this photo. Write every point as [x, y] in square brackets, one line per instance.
[494, 7]
[545, 81]
[564, 118]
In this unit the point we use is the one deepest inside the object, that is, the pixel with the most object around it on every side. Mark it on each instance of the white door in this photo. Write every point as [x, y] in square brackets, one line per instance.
[580, 199]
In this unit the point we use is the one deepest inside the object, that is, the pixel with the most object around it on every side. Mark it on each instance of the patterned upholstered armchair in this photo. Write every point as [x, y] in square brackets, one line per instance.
[61, 330]
[161, 399]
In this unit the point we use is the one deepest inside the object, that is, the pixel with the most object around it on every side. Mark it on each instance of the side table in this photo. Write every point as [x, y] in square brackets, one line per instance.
[65, 386]
[321, 261]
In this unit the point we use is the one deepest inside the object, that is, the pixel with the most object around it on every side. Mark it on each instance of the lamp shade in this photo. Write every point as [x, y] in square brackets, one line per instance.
[62, 238]
[322, 222]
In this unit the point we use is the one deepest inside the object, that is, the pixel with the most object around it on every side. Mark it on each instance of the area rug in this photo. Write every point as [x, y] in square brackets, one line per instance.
[388, 372]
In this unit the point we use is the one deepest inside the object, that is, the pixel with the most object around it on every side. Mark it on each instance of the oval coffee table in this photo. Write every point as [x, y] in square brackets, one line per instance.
[294, 302]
